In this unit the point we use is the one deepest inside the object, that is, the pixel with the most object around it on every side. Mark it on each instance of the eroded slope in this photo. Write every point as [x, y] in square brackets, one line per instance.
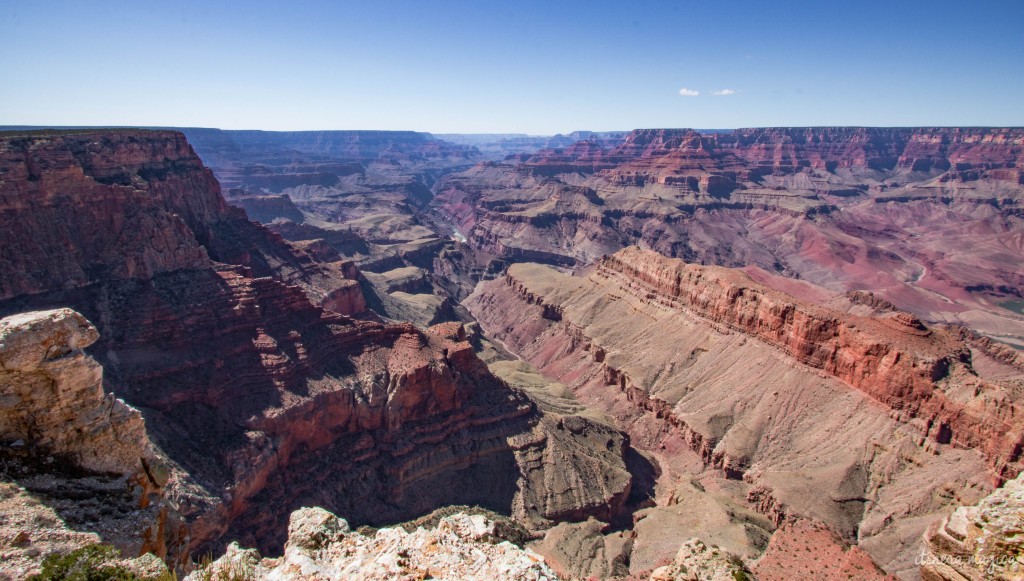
[872, 425]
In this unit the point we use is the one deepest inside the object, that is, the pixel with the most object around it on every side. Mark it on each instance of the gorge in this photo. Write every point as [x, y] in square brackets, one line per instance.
[790, 345]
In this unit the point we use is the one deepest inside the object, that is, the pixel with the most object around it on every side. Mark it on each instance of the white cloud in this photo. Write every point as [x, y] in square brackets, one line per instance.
[724, 92]
[688, 92]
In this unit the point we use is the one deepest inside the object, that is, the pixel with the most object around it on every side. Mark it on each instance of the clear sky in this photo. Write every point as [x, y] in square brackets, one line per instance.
[523, 66]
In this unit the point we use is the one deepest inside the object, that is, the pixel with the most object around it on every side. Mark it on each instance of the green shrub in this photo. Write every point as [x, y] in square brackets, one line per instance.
[90, 563]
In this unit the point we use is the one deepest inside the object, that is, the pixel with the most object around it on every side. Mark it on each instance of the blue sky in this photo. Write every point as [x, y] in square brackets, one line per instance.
[524, 66]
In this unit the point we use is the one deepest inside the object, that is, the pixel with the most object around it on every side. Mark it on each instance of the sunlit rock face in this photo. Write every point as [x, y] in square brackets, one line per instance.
[77, 463]
[862, 418]
[929, 219]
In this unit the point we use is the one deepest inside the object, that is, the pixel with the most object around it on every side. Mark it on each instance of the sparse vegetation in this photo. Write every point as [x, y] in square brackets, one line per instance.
[234, 570]
[89, 563]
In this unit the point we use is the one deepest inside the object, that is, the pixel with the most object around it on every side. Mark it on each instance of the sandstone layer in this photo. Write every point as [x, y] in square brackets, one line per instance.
[872, 425]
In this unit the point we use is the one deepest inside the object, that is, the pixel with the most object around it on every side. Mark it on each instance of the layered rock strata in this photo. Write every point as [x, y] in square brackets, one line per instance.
[929, 219]
[896, 359]
[256, 394]
[870, 425]
[85, 207]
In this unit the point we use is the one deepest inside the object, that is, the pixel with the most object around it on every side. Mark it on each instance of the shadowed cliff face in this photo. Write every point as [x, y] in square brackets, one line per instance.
[263, 401]
[930, 219]
[868, 422]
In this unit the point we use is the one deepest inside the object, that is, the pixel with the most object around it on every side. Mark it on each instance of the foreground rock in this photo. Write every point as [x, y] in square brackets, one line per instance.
[75, 463]
[979, 542]
[322, 547]
[697, 561]
[53, 395]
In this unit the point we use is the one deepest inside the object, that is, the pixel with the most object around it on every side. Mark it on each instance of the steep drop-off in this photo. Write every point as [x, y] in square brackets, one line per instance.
[262, 400]
[871, 425]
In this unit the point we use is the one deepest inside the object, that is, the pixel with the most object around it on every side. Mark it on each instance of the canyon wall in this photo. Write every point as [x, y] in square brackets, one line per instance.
[895, 360]
[261, 400]
[872, 425]
[277, 161]
[928, 218]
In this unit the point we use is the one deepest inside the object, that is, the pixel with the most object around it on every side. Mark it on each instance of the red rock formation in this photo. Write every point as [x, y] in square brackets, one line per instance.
[790, 150]
[895, 360]
[84, 207]
[912, 215]
[860, 422]
[72, 206]
[256, 394]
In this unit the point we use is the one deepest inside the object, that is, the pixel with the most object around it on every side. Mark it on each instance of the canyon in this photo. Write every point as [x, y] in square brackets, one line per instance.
[805, 411]
[252, 394]
[927, 218]
[647, 353]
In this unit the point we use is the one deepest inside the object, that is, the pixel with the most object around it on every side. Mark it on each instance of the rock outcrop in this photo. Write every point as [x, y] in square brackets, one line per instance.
[979, 542]
[321, 546]
[864, 423]
[77, 466]
[695, 560]
[53, 398]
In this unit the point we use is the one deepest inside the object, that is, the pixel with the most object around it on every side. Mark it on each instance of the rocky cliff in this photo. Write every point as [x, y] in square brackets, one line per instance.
[927, 218]
[865, 423]
[257, 395]
[978, 542]
[84, 207]
[76, 465]
[895, 360]
[321, 546]
[53, 394]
